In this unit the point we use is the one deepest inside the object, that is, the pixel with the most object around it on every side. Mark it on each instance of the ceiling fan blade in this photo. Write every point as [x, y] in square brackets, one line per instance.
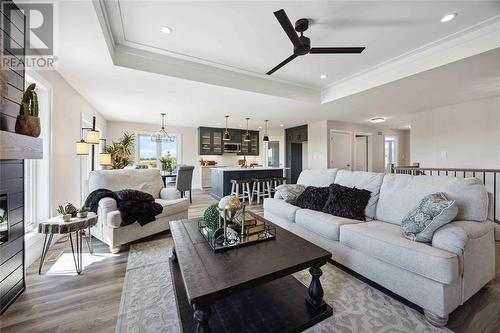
[337, 49]
[283, 63]
[287, 26]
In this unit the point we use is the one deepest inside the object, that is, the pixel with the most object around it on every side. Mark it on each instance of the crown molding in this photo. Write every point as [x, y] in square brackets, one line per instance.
[474, 40]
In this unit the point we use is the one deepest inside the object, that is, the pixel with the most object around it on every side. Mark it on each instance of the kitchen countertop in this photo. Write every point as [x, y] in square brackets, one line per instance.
[246, 169]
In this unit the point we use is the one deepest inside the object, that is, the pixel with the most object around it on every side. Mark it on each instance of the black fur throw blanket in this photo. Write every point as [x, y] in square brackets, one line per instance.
[133, 205]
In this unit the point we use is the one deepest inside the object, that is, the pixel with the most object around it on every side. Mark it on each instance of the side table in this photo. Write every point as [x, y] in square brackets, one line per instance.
[76, 225]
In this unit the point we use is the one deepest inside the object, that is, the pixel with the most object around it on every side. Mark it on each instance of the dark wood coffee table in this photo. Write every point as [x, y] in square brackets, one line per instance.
[247, 289]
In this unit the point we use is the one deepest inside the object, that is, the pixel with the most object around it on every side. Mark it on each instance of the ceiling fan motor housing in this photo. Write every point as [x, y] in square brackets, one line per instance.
[304, 48]
[301, 26]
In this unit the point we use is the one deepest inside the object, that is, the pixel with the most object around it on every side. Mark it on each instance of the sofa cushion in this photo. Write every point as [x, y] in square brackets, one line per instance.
[280, 208]
[347, 202]
[313, 198]
[317, 177]
[432, 212]
[172, 207]
[384, 241]
[400, 193]
[148, 181]
[370, 181]
[322, 224]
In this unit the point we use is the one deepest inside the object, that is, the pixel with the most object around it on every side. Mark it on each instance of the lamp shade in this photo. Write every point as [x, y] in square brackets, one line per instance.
[104, 159]
[82, 148]
[93, 137]
[266, 138]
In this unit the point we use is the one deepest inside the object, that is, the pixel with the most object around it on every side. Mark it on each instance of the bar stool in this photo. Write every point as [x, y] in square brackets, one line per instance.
[277, 181]
[245, 192]
[261, 188]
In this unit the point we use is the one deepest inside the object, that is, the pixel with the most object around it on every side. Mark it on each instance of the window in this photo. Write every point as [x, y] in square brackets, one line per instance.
[390, 151]
[150, 152]
[37, 187]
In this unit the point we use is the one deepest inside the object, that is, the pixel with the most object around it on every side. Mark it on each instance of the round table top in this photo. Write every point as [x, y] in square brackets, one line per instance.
[56, 225]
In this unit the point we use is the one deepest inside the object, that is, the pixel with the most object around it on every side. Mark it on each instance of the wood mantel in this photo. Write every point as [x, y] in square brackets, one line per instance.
[15, 146]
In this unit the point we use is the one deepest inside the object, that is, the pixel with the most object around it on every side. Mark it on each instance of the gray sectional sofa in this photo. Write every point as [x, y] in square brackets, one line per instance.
[437, 276]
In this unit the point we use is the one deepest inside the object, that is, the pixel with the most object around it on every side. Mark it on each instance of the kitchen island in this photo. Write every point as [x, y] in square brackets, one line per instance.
[221, 177]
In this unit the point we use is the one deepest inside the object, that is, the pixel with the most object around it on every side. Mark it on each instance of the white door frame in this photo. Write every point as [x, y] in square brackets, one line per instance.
[370, 151]
[330, 147]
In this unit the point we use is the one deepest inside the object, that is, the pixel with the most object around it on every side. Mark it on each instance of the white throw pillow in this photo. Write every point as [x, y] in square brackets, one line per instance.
[433, 211]
[290, 192]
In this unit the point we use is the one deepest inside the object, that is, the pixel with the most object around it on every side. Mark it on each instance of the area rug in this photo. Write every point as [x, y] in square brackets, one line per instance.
[148, 301]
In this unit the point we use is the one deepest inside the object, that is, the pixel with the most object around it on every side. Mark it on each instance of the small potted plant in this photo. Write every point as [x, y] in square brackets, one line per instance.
[164, 160]
[28, 122]
[65, 215]
[82, 212]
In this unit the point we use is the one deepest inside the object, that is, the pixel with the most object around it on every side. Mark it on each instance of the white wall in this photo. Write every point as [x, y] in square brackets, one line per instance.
[68, 107]
[463, 135]
[319, 135]
[317, 145]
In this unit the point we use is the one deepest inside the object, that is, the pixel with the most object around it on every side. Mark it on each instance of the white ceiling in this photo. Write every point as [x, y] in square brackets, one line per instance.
[121, 93]
[246, 35]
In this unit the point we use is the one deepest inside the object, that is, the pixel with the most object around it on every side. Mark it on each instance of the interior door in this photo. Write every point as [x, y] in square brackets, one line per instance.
[361, 153]
[340, 150]
[296, 165]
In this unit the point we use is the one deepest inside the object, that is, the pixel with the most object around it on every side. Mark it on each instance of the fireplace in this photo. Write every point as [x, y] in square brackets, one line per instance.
[4, 218]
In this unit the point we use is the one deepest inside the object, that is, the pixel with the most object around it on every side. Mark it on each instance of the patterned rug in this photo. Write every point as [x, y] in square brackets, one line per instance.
[148, 301]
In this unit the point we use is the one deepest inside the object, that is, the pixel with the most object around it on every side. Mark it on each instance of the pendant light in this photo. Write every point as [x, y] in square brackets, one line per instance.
[226, 137]
[266, 137]
[247, 135]
[162, 134]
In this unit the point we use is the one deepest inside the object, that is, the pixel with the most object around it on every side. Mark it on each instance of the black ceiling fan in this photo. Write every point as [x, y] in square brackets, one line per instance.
[302, 44]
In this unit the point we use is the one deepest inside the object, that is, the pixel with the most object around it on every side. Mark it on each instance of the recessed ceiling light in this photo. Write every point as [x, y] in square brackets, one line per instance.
[323, 76]
[281, 125]
[240, 125]
[448, 17]
[260, 127]
[218, 124]
[377, 120]
[166, 30]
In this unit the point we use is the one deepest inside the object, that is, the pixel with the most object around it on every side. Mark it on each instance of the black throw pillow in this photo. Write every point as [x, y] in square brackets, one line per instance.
[313, 198]
[134, 195]
[347, 202]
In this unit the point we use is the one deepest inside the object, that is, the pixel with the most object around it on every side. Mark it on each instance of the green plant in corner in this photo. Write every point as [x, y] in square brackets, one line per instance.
[121, 151]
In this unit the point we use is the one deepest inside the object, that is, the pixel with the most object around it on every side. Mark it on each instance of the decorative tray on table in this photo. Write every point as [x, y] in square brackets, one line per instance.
[236, 229]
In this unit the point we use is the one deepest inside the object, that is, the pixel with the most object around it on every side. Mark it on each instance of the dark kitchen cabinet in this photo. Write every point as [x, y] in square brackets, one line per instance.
[295, 137]
[250, 148]
[210, 141]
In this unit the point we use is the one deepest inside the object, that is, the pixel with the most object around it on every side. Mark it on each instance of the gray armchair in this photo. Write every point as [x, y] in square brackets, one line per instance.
[184, 180]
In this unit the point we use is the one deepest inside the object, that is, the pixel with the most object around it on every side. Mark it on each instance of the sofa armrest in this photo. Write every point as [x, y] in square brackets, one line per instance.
[106, 206]
[453, 237]
[169, 193]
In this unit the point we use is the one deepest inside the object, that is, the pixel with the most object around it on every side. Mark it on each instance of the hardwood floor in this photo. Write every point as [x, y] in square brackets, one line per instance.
[61, 301]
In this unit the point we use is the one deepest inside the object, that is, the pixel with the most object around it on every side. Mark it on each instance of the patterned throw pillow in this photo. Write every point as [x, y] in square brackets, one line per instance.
[347, 202]
[290, 192]
[433, 211]
[313, 198]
